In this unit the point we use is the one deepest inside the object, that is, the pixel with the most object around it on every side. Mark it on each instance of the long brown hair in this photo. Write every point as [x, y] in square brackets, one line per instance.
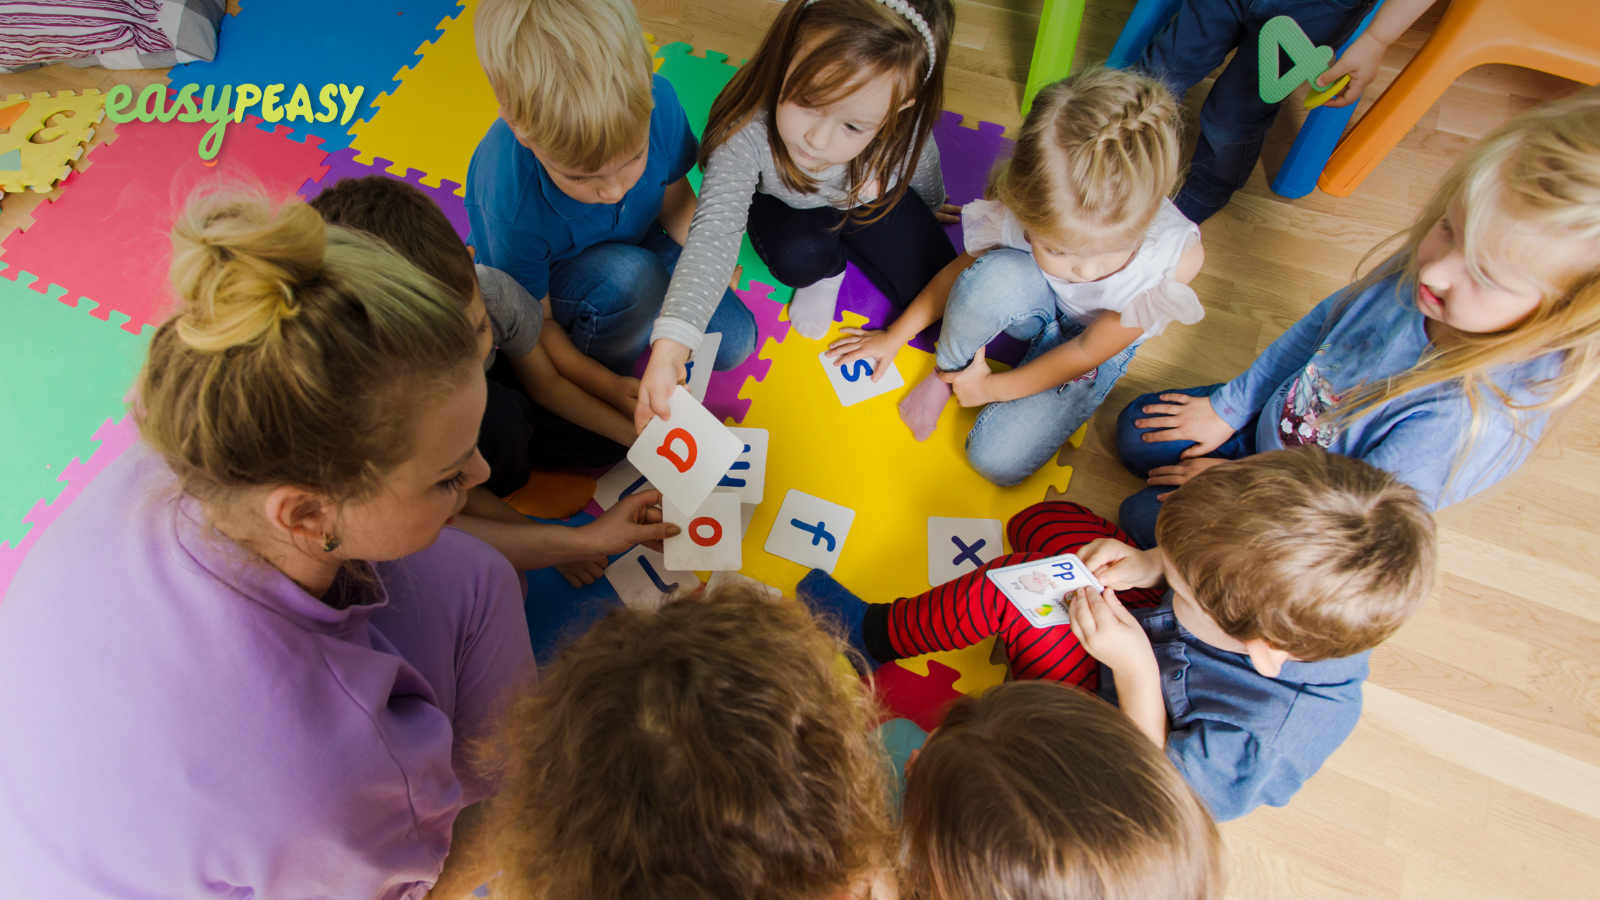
[856, 40]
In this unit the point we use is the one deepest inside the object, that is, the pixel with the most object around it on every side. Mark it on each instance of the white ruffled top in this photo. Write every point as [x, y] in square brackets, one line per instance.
[1143, 291]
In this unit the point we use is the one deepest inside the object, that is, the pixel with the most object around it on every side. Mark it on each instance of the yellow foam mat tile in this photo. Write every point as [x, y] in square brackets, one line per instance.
[38, 147]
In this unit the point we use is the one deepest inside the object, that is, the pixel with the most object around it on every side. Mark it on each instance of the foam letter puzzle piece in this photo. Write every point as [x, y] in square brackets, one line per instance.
[642, 578]
[957, 546]
[47, 135]
[699, 365]
[709, 541]
[810, 531]
[687, 456]
[620, 482]
[1284, 33]
[853, 383]
[748, 475]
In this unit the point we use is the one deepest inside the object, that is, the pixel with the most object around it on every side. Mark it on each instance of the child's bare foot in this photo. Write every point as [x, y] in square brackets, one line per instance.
[811, 310]
[921, 408]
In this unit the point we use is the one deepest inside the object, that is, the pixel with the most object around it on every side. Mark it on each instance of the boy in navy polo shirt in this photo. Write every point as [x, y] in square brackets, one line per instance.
[579, 191]
[1273, 579]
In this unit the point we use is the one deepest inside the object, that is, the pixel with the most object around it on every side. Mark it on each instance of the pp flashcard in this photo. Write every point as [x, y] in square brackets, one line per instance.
[959, 546]
[709, 539]
[748, 475]
[810, 531]
[700, 372]
[853, 383]
[641, 578]
[1040, 590]
[687, 455]
[621, 481]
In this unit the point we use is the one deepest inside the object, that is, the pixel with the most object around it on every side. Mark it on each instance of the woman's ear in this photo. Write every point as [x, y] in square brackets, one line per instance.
[299, 515]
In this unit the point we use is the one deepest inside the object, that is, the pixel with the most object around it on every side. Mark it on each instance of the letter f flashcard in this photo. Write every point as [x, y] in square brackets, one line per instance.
[810, 531]
[686, 456]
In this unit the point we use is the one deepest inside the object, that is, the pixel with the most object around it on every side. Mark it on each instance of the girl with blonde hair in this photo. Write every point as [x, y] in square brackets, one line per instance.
[1445, 364]
[1076, 249]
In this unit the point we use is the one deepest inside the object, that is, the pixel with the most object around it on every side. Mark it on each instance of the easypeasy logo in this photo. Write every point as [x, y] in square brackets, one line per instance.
[229, 104]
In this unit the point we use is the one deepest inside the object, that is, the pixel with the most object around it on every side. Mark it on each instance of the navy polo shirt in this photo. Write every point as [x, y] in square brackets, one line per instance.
[522, 222]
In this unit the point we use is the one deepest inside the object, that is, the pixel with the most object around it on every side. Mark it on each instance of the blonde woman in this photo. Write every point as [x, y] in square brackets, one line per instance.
[247, 661]
[1445, 363]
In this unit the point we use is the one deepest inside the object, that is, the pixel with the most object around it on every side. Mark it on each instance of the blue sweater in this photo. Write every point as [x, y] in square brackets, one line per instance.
[1417, 436]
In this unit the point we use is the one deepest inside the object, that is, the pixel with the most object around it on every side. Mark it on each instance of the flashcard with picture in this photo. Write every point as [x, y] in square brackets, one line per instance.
[1041, 590]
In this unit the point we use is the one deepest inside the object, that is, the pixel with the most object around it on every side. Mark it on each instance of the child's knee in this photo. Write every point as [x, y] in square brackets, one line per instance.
[633, 277]
[1022, 527]
[1135, 452]
[803, 258]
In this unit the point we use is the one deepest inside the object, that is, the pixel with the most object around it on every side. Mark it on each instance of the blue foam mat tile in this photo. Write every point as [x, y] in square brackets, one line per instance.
[559, 613]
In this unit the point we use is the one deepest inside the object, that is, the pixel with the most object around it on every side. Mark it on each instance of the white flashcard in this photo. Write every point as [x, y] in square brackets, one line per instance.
[708, 539]
[747, 514]
[958, 546]
[642, 579]
[687, 455]
[700, 374]
[1040, 590]
[853, 382]
[810, 531]
[748, 476]
[621, 481]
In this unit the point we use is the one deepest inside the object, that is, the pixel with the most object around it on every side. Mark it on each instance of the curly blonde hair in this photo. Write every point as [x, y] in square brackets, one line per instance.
[711, 749]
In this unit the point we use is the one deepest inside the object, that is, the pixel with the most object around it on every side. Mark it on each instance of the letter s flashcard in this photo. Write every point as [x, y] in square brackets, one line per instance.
[810, 531]
[687, 455]
[853, 383]
[641, 578]
[710, 536]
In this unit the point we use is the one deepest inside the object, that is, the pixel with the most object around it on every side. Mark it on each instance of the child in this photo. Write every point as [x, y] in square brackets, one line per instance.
[1281, 573]
[709, 749]
[580, 190]
[1078, 249]
[1444, 364]
[517, 433]
[1235, 120]
[821, 146]
[1035, 791]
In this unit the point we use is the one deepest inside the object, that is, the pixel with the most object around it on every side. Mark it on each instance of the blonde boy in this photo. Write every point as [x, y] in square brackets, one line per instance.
[579, 190]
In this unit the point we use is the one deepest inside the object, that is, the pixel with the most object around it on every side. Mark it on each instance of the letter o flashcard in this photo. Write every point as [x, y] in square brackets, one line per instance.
[686, 456]
[710, 536]
[810, 531]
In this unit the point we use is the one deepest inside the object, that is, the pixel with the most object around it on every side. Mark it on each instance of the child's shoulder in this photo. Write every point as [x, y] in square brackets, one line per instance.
[499, 160]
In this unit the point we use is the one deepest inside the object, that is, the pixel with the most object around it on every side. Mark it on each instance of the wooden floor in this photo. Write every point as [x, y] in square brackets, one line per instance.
[1475, 771]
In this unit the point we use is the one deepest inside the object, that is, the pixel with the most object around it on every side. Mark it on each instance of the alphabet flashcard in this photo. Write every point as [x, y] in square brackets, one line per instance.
[700, 373]
[621, 481]
[1041, 590]
[642, 579]
[748, 475]
[853, 382]
[710, 537]
[810, 531]
[959, 546]
[687, 455]
[747, 514]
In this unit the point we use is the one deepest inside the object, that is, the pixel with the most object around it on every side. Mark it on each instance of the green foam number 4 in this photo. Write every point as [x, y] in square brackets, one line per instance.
[1284, 34]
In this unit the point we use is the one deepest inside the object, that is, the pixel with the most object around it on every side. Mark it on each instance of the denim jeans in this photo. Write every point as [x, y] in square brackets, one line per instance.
[1234, 120]
[619, 289]
[1005, 291]
[1139, 512]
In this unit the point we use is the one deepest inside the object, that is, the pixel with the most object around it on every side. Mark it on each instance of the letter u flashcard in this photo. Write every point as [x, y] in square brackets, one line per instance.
[710, 536]
[622, 481]
[699, 365]
[853, 382]
[748, 475]
[686, 456]
[810, 531]
[641, 578]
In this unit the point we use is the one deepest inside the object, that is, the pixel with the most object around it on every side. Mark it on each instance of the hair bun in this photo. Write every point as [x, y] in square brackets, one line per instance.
[237, 263]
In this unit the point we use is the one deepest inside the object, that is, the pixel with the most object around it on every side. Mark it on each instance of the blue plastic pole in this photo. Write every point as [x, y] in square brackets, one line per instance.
[1317, 137]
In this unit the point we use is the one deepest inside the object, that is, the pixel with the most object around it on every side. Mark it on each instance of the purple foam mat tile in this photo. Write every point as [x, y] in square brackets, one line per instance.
[342, 164]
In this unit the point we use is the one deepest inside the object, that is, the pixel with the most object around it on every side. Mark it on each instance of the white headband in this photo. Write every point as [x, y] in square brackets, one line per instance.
[911, 15]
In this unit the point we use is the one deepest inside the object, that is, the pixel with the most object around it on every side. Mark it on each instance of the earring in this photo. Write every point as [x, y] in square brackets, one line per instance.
[329, 543]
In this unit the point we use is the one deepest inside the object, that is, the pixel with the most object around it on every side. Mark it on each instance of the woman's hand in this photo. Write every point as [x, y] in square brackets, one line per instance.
[1184, 418]
[1181, 473]
[1109, 632]
[878, 346]
[1120, 566]
[665, 371]
[636, 519]
[948, 213]
[971, 385]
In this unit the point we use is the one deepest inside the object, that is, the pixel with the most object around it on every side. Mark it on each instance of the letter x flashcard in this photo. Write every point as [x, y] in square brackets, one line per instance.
[810, 531]
[710, 536]
[853, 383]
[642, 579]
[687, 455]
[959, 546]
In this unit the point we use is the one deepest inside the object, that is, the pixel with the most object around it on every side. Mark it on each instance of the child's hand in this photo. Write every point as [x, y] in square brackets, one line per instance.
[581, 573]
[636, 519]
[625, 395]
[1109, 632]
[1360, 62]
[1120, 566]
[971, 385]
[948, 214]
[877, 346]
[665, 371]
[1181, 473]
[1185, 418]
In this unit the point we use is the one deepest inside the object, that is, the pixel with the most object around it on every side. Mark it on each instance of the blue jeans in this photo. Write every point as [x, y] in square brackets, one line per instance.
[1139, 512]
[1234, 120]
[619, 289]
[1005, 291]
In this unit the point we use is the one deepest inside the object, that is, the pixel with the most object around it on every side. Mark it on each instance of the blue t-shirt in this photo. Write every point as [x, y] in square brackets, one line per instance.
[522, 222]
[1325, 356]
[1242, 739]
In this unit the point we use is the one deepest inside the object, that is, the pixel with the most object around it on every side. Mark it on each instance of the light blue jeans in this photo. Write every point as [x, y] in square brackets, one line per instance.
[1005, 291]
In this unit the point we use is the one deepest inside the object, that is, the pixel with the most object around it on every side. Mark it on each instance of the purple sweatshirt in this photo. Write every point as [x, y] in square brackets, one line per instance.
[180, 720]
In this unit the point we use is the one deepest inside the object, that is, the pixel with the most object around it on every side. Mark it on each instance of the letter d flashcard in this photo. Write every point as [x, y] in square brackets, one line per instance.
[853, 383]
[810, 531]
[686, 456]
[710, 536]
